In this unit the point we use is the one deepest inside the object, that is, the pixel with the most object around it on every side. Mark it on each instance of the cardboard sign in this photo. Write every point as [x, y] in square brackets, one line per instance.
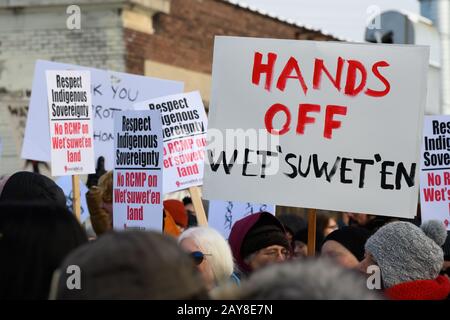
[138, 181]
[184, 133]
[223, 214]
[323, 125]
[111, 92]
[435, 170]
[69, 111]
[65, 183]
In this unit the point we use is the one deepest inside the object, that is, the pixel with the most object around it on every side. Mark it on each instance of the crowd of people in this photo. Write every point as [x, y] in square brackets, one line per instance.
[265, 257]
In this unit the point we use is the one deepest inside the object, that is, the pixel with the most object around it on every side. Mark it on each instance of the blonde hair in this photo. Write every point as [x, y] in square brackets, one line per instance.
[211, 242]
[105, 184]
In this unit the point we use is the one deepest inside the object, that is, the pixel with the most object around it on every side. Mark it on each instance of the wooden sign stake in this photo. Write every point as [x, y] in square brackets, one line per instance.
[312, 232]
[198, 206]
[76, 202]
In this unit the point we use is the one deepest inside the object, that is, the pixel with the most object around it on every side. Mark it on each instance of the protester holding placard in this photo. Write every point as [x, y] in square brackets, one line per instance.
[99, 201]
[257, 241]
[410, 259]
[99, 171]
[211, 254]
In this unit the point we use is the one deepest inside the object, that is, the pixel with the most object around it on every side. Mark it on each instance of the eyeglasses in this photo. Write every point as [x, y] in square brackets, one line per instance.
[198, 256]
[274, 253]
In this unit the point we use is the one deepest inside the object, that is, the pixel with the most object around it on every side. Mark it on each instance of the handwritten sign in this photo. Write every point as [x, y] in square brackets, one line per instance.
[435, 170]
[138, 170]
[111, 92]
[184, 133]
[337, 125]
[223, 214]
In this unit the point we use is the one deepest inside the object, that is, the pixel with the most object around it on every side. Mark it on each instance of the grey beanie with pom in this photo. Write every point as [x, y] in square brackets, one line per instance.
[405, 252]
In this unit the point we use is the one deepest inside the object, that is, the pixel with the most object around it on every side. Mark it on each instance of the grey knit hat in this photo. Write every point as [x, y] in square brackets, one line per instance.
[405, 252]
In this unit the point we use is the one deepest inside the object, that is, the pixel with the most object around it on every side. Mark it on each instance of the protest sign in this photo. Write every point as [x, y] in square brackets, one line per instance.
[184, 133]
[223, 214]
[323, 125]
[435, 170]
[70, 118]
[65, 183]
[111, 92]
[138, 181]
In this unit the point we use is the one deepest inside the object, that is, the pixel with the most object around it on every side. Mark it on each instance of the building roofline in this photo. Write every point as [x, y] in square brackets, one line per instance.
[288, 21]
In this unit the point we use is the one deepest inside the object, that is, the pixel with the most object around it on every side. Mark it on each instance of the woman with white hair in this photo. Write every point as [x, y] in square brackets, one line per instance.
[211, 253]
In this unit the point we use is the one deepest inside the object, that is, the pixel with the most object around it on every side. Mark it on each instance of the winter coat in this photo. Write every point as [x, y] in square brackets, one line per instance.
[437, 289]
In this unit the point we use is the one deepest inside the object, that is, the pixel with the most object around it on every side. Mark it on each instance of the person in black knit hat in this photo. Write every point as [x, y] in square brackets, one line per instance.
[29, 186]
[346, 246]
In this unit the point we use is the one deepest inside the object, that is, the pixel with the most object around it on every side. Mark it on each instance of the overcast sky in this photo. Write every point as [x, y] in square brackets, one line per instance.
[344, 18]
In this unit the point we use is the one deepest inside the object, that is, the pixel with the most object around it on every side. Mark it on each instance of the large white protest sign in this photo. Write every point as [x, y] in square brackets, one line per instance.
[111, 92]
[138, 181]
[70, 115]
[435, 170]
[65, 183]
[333, 126]
[223, 214]
[184, 133]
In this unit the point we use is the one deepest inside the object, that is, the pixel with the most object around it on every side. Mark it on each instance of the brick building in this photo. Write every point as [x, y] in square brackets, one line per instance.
[171, 39]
